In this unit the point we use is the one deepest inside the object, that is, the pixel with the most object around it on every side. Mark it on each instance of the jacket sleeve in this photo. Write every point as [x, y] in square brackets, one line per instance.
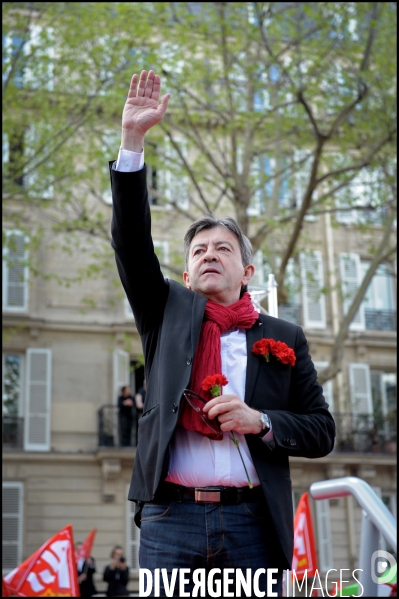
[137, 263]
[307, 429]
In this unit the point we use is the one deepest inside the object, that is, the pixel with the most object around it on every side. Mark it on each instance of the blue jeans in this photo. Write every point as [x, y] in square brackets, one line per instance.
[207, 536]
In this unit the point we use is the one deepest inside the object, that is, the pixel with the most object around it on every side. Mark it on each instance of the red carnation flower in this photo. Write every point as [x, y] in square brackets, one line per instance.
[214, 384]
[279, 349]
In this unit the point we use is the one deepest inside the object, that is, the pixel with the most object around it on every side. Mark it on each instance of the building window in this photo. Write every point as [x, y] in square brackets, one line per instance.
[384, 401]
[12, 382]
[313, 298]
[377, 310]
[27, 399]
[379, 305]
[12, 525]
[15, 272]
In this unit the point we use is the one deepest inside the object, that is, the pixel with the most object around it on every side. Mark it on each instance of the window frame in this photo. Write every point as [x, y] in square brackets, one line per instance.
[25, 282]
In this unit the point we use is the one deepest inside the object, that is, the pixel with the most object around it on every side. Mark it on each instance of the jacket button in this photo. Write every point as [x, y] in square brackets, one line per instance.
[292, 442]
[188, 360]
[174, 409]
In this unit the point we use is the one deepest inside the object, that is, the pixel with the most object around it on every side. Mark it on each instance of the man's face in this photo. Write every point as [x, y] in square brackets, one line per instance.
[215, 266]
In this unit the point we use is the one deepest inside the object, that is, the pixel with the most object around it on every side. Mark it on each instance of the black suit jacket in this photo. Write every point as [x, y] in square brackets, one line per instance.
[169, 318]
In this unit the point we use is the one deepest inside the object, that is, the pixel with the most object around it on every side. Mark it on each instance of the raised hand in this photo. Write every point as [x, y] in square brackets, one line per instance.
[142, 109]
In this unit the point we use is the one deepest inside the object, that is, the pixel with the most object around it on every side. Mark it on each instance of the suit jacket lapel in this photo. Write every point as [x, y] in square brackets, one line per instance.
[253, 362]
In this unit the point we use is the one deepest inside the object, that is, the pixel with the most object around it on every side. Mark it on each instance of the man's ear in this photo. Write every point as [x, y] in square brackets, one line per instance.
[249, 272]
[186, 279]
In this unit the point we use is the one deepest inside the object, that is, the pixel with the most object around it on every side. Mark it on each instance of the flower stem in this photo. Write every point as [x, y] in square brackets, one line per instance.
[237, 444]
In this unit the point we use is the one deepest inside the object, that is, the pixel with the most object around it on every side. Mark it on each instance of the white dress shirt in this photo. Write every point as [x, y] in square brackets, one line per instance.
[196, 460]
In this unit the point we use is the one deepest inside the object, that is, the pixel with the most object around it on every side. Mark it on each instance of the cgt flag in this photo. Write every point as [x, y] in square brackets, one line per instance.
[304, 561]
[49, 572]
[85, 549]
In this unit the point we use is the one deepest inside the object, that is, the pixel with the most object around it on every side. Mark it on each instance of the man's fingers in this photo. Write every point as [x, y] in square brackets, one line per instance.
[163, 105]
[133, 86]
[156, 88]
[142, 82]
[220, 408]
[149, 84]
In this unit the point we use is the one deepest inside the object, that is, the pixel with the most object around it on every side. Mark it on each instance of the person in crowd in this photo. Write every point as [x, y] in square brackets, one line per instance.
[199, 501]
[86, 569]
[125, 406]
[117, 574]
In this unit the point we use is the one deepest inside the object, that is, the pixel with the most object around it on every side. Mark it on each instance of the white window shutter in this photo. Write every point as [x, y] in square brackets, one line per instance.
[327, 386]
[15, 273]
[121, 371]
[360, 389]
[38, 399]
[174, 181]
[324, 538]
[161, 249]
[13, 495]
[110, 142]
[258, 278]
[314, 303]
[39, 185]
[351, 278]
[132, 537]
[176, 188]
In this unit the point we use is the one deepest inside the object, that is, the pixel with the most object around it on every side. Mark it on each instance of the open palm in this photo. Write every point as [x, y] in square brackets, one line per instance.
[142, 110]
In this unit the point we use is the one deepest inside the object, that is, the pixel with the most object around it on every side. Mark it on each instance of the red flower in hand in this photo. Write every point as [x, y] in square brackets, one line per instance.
[279, 349]
[214, 384]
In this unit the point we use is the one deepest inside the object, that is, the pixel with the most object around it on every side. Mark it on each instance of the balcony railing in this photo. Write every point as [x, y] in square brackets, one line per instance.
[13, 432]
[110, 430]
[363, 433]
[380, 320]
[356, 433]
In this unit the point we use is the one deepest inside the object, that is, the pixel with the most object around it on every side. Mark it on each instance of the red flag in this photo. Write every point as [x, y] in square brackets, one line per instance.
[5, 592]
[85, 549]
[49, 572]
[304, 544]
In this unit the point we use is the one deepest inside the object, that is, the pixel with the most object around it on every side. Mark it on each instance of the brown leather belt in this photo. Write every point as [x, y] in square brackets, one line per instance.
[223, 495]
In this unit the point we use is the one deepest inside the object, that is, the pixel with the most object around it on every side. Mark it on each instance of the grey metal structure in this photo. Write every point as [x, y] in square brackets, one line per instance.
[376, 519]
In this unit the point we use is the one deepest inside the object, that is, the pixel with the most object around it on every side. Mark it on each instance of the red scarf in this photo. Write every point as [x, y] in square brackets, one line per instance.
[207, 360]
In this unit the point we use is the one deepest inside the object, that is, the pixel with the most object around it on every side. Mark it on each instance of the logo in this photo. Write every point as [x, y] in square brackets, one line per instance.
[382, 567]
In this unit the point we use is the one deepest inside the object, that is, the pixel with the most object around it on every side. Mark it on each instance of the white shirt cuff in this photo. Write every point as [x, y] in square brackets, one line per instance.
[129, 162]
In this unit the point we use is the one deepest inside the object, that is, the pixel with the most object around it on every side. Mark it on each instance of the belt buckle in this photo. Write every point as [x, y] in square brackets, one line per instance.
[206, 495]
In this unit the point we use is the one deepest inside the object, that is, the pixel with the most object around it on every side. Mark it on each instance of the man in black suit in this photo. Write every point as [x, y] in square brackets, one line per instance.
[201, 503]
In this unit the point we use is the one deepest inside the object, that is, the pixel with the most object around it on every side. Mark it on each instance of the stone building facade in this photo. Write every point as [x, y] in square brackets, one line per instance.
[63, 366]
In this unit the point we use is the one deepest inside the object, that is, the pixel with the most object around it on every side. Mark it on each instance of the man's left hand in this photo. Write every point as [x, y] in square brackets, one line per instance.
[233, 414]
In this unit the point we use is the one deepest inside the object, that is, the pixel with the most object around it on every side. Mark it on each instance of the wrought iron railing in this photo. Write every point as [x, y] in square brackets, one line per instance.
[110, 428]
[364, 433]
[380, 320]
[13, 432]
[356, 433]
